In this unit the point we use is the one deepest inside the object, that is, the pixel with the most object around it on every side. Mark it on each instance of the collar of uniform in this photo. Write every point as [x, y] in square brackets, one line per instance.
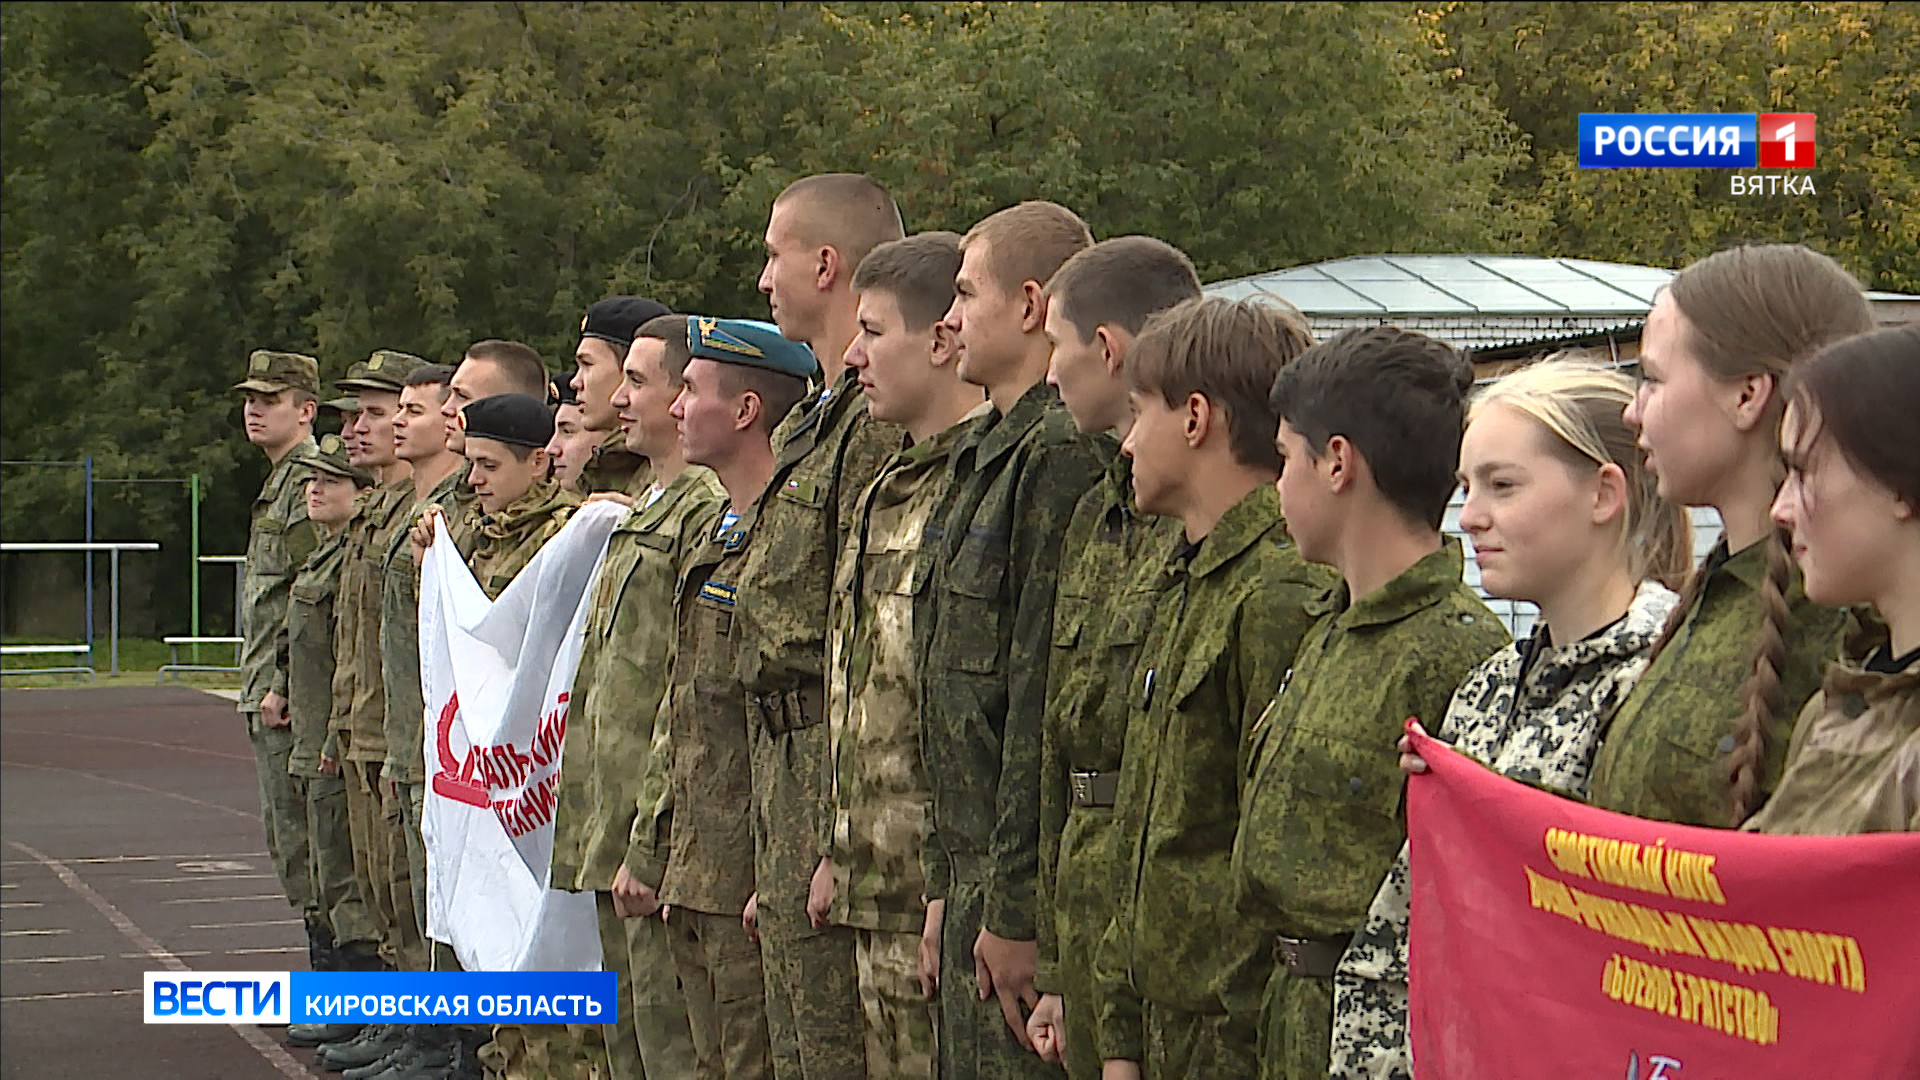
[613, 446]
[447, 487]
[947, 441]
[816, 411]
[1254, 516]
[540, 501]
[1115, 491]
[295, 458]
[1554, 666]
[1026, 414]
[643, 517]
[1419, 586]
[1748, 566]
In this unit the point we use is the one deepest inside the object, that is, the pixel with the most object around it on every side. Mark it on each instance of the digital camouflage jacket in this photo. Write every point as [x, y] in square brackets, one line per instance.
[357, 607]
[983, 628]
[508, 541]
[310, 619]
[1664, 755]
[279, 539]
[613, 467]
[400, 626]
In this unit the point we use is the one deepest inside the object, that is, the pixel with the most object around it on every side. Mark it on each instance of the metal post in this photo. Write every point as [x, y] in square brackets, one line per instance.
[86, 465]
[113, 624]
[193, 497]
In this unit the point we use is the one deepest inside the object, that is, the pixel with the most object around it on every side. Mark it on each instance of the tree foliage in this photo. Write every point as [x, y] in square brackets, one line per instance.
[185, 182]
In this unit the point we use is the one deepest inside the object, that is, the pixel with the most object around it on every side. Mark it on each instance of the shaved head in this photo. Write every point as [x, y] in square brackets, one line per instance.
[848, 212]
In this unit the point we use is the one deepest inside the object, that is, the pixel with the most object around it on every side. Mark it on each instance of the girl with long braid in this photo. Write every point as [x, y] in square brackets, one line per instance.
[1702, 736]
[1852, 503]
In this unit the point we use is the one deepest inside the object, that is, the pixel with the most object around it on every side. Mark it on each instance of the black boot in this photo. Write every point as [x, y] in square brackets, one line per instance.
[321, 954]
[359, 956]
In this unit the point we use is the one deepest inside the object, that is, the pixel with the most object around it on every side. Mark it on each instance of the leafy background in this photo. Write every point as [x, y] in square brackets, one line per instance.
[185, 182]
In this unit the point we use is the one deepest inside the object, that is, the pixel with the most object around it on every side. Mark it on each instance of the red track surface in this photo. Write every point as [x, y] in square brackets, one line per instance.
[130, 833]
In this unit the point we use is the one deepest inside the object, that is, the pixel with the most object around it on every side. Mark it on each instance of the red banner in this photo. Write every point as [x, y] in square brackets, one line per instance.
[1551, 939]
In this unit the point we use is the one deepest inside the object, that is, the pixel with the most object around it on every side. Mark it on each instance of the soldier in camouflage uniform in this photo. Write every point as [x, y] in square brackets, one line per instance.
[1178, 989]
[742, 375]
[606, 333]
[1109, 577]
[1321, 803]
[877, 788]
[280, 390]
[333, 492]
[983, 625]
[572, 446]
[611, 820]
[826, 451]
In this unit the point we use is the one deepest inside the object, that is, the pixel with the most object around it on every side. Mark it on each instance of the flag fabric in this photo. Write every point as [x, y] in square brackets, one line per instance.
[1553, 939]
[496, 677]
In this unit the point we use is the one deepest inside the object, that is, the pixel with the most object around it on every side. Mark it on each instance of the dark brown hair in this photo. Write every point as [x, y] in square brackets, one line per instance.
[917, 272]
[1028, 242]
[1761, 310]
[778, 392]
[432, 375]
[1863, 395]
[1228, 351]
[848, 212]
[1398, 397]
[671, 329]
[1120, 282]
[526, 373]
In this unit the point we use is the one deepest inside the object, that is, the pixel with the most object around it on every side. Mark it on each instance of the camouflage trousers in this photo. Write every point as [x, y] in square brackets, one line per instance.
[1296, 1026]
[975, 1041]
[544, 1052]
[901, 1040]
[283, 816]
[719, 971]
[651, 1039]
[814, 1026]
[1369, 1030]
[1180, 1044]
[380, 865]
[330, 847]
[1083, 903]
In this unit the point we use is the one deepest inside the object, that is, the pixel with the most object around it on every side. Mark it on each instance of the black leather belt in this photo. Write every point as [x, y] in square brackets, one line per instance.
[1094, 788]
[1308, 958]
[790, 710]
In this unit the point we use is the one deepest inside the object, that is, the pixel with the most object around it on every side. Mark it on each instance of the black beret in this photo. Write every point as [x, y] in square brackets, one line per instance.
[509, 418]
[617, 318]
[560, 391]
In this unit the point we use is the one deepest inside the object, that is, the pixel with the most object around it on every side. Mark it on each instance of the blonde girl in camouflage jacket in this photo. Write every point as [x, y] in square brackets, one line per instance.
[1562, 513]
[1852, 503]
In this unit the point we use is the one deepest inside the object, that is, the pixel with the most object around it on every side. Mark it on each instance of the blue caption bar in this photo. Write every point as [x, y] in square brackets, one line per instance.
[1668, 140]
[455, 997]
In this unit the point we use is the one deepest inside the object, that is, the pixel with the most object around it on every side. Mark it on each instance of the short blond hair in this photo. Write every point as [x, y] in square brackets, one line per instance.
[1028, 242]
[848, 212]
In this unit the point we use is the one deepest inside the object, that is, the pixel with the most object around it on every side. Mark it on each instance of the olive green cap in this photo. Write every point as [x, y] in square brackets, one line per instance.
[385, 370]
[330, 456]
[270, 372]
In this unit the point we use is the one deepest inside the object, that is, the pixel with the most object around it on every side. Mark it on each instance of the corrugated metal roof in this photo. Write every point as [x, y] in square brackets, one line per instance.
[1395, 286]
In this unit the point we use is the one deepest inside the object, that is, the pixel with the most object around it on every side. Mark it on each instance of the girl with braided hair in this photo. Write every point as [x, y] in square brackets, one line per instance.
[1702, 737]
[1852, 503]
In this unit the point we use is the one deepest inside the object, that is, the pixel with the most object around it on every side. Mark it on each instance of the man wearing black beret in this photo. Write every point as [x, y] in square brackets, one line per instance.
[606, 332]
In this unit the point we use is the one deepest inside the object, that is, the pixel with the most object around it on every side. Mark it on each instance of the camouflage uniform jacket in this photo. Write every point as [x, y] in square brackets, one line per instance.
[710, 781]
[1233, 615]
[983, 627]
[510, 539]
[1854, 766]
[279, 539]
[613, 467]
[612, 793]
[1111, 570]
[310, 699]
[1662, 757]
[826, 451]
[406, 708]
[1321, 811]
[357, 606]
[1532, 712]
[877, 786]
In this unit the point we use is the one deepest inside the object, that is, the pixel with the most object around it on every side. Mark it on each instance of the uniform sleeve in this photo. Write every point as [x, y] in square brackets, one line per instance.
[1053, 821]
[648, 844]
[1050, 487]
[302, 539]
[1119, 1020]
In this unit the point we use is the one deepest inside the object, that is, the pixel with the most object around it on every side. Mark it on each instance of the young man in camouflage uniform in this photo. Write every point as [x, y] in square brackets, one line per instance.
[611, 820]
[1109, 576]
[521, 506]
[280, 390]
[1370, 427]
[742, 376]
[606, 333]
[982, 628]
[826, 451]
[333, 498]
[877, 787]
[1178, 985]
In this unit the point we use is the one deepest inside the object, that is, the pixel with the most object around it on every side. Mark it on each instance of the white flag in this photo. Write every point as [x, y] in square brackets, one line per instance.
[496, 676]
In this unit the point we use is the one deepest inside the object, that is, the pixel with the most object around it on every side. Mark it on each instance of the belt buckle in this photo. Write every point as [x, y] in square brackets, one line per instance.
[1082, 785]
[1290, 954]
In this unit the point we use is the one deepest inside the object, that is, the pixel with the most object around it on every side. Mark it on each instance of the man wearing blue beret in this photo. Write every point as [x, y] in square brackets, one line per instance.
[826, 452]
[743, 376]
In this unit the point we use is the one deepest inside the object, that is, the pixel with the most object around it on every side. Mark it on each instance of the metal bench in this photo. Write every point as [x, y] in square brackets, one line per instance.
[174, 667]
[81, 649]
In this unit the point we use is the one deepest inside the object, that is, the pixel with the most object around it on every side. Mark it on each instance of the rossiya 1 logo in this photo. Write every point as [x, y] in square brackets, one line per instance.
[1706, 141]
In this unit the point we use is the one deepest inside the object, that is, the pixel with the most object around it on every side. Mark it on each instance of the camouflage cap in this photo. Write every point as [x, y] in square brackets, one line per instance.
[270, 372]
[346, 403]
[330, 456]
[385, 370]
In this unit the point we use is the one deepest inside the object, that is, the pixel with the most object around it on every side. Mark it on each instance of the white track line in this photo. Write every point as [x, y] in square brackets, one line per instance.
[225, 899]
[97, 859]
[33, 933]
[275, 1054]
[199, 877]
[236, 925]
[271, 949]
[80, 994]
[249, 815]
[49, 959]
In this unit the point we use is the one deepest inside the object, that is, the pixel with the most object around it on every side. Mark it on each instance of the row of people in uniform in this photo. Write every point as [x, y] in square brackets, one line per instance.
[1000, 667]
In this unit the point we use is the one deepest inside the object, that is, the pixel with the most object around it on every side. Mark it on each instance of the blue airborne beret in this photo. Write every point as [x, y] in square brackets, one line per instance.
[751, 343]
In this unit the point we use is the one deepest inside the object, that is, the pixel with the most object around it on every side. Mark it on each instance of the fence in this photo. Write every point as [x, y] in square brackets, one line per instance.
[113, 551]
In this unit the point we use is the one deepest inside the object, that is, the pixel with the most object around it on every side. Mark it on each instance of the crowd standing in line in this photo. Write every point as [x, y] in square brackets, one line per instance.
[1000, 665]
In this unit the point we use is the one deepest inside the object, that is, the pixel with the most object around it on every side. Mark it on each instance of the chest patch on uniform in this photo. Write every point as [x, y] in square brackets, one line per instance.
[716, 592]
